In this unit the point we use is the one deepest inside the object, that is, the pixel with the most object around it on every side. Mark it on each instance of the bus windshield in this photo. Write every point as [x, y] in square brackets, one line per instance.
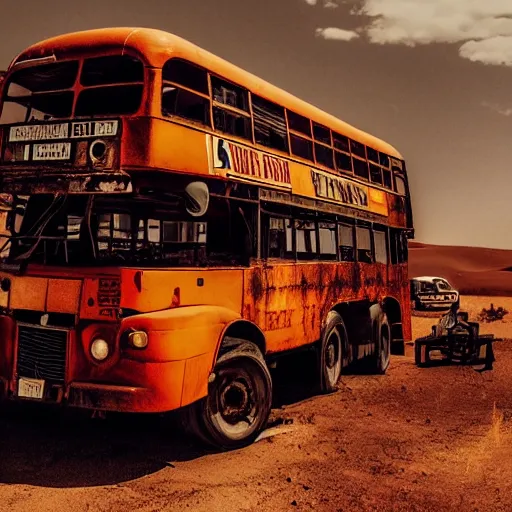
[108, 230]
[109, 85]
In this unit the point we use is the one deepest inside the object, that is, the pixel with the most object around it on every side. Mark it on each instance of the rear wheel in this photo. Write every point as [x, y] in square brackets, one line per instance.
[331, 350]
[239, 400]
[381, 332]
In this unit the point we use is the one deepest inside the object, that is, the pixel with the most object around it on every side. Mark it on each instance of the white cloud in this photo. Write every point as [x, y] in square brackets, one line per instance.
[483, 28]
[495, 50]
[504, 111]
[328, 4]
[337, 34]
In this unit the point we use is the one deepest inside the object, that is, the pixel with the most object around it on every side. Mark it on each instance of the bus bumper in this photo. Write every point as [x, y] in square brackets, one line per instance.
[162, 387]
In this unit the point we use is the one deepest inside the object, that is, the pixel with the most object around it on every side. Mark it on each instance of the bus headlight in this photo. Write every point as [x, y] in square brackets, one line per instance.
[138, 339]
[97, 151]
[100, 349]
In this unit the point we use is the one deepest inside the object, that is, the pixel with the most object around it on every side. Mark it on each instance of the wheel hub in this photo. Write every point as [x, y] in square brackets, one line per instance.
[235, 399]
[330, 355]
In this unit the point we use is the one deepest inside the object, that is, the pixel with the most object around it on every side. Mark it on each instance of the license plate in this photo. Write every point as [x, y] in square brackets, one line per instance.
[52, 151]
[30, 388]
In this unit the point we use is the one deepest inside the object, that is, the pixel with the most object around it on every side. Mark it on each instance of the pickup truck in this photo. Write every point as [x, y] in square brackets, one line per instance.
[432, 292]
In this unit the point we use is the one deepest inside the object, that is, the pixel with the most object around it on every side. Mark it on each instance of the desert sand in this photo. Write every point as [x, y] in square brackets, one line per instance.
[436, 439]
[472, 270]
[429, 440]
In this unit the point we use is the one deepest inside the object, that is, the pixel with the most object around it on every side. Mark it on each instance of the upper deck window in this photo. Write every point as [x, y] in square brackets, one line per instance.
[180, 101]
[111, 98]
[269, 124]
[232, 123]
[360, 168]
[340, 142]
[113, 85]
[112, 69]
[31, 93]
[186, 74]
[107, 101]
[230, 94]
[48, 77]
[373, 155]
[384, 160]
[322, 133]
[298, 123]
[231, 108]
[357, 149]
[301, 147]
[324, 155]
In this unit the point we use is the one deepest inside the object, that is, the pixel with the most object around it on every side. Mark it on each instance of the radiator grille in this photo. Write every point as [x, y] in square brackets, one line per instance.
[42, 353]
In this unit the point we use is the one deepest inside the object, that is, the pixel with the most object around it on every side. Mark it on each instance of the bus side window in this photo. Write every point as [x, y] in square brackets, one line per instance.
[327, 237]
[346, 242]
[190, 102]
[381, 251]
[185, 104]
[364, 245]
[269, 124]
[305, 233]
[280, 238]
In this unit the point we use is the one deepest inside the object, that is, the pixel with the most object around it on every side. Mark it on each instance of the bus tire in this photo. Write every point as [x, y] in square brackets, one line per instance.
[381, 333]
[332, 347]
[239, 400]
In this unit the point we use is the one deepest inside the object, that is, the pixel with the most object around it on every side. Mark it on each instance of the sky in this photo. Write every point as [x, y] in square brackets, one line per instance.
[431, 77]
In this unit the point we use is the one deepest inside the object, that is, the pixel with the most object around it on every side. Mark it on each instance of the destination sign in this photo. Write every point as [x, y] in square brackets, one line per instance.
[94, 129]
[39, 132]
[339, 189]
[248, 163]
[52, 151]
[74, 130]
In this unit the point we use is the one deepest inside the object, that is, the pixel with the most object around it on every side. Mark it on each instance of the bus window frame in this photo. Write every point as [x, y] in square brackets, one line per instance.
[360, 225]
[379, 161]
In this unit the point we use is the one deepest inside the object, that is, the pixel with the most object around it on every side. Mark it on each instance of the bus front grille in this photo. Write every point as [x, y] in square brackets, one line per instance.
[42, 353]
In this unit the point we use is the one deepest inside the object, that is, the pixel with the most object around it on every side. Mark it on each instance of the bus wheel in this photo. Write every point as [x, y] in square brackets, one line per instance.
[382, 339]
[331, 352]
[239, 399]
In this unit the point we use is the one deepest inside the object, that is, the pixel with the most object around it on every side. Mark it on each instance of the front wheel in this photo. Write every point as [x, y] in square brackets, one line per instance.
[239, 400]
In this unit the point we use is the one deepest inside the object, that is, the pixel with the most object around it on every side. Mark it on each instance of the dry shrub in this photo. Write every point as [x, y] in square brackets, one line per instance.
[492, 314]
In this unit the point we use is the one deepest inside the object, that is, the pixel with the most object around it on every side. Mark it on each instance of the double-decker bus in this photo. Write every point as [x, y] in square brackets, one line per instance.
[175, 225]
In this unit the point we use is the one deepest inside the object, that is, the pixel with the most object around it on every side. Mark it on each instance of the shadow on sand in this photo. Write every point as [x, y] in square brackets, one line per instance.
[55, 447]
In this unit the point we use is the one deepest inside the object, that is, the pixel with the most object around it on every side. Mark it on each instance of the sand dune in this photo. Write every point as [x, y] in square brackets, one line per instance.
[472, 270]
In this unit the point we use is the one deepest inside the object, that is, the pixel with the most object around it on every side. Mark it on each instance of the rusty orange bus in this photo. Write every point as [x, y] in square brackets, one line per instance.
[176, 225]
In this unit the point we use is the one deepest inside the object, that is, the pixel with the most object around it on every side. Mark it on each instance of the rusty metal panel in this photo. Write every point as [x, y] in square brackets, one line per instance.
[153, 290]
[289, 301]
[29, 293]
[63, 295]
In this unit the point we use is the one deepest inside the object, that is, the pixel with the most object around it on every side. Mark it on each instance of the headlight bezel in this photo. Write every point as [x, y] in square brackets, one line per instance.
[138, 339]
[105, 346]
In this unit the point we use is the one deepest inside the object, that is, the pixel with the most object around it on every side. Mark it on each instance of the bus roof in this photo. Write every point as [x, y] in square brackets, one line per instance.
[155, 47]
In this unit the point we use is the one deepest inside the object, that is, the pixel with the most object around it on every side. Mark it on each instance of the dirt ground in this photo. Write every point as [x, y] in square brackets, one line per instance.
[436, 439]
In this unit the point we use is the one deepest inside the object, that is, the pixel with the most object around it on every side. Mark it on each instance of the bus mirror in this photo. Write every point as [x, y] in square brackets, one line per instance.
[197, 198]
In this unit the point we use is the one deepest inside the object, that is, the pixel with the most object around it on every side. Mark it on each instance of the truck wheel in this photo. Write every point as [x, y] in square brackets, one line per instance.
[239, 400]
[381, 333]
[331, 351]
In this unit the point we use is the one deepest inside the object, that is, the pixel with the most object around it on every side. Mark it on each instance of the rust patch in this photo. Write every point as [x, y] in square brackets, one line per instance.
[257, 284]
